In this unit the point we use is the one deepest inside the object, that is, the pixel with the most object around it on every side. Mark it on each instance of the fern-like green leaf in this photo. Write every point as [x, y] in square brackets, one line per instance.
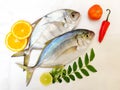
[72, 77]
[80, 64]
[66, 79]
[69, 69]
[54, 80]
[59, 80]
[92, 54]
[71, 73]
[85, 72]
[86, 59]
[91, 68]
[64, 72]
[74, 66]
[78, 75]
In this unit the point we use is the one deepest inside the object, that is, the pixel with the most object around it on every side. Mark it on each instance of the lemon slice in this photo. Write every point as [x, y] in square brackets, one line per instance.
[46, 79]
[15, 44]
[21, 29]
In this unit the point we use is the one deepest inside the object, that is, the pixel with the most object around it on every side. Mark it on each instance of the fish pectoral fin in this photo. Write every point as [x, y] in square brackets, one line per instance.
[71, 49]
[29, 73]
[57, 23]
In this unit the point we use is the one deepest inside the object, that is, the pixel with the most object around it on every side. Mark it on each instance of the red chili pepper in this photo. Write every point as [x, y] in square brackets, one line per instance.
[104, 27]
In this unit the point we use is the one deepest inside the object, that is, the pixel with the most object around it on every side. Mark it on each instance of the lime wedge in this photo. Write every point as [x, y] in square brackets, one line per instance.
[46, 79]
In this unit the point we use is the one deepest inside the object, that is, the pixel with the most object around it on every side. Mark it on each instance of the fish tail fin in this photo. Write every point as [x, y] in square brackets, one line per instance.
[29, 72]
[26, 54]
[26, 60]
[18, 54]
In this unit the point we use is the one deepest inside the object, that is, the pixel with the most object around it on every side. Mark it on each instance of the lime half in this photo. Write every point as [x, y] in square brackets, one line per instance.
[46, 79]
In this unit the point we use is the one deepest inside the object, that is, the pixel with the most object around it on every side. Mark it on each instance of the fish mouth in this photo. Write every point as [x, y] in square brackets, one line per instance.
[91, 35]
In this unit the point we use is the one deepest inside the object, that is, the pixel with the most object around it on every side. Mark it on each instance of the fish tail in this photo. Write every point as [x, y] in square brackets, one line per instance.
[29, 72]
[18, 54]
[26, 54]
[26, 60]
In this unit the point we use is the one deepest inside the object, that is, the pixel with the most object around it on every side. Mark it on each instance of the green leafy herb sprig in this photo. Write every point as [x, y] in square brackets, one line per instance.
[74, 71]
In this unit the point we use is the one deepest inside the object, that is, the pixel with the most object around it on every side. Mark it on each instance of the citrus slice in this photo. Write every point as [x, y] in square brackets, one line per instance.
[21, 29]
[46, 79]
[15, 44]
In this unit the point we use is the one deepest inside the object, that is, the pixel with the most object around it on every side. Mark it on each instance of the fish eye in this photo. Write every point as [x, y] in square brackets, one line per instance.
[87, 35]
[74, 15]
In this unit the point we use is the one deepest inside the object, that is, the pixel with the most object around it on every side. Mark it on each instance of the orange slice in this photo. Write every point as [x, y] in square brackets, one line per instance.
[21, 29]
[15, 44]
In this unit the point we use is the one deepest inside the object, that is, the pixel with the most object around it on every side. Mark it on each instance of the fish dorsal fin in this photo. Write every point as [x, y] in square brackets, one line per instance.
[36, 22]
[69, 50]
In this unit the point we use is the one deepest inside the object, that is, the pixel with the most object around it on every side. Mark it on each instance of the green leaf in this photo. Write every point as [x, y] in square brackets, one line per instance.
[86, 59]
[72, 77]
[92, 54]
[59, 80]
[53, 74]
[80, 64]
[74, 66]
[69, 69]
[78, 75]
[66, 79]
[91, 68]
[85, 72]
[54, 80]
[59, 70]
[64, 72]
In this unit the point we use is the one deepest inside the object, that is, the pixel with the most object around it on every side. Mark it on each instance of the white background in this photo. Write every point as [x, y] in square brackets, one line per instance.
[107, 60]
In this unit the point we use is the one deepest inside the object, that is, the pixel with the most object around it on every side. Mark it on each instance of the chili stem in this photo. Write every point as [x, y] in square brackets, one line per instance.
[109, 11]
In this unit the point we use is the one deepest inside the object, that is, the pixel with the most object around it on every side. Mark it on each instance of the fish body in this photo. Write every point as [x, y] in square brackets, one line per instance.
[62, 50]
[47, 32]
[71, 44]
[63, 19]
[49, 27]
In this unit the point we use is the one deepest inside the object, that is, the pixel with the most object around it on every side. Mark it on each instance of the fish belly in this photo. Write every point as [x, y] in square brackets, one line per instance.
[53, 58]
[46, 33]
[64, 58]
[57, 16]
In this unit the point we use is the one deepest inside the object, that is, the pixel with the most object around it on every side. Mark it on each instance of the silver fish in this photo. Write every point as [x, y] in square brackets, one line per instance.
[62, 50]
[47, 28]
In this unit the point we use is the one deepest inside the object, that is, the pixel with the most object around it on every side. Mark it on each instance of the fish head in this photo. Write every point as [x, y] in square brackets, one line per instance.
[74, 16]
[85, 37]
